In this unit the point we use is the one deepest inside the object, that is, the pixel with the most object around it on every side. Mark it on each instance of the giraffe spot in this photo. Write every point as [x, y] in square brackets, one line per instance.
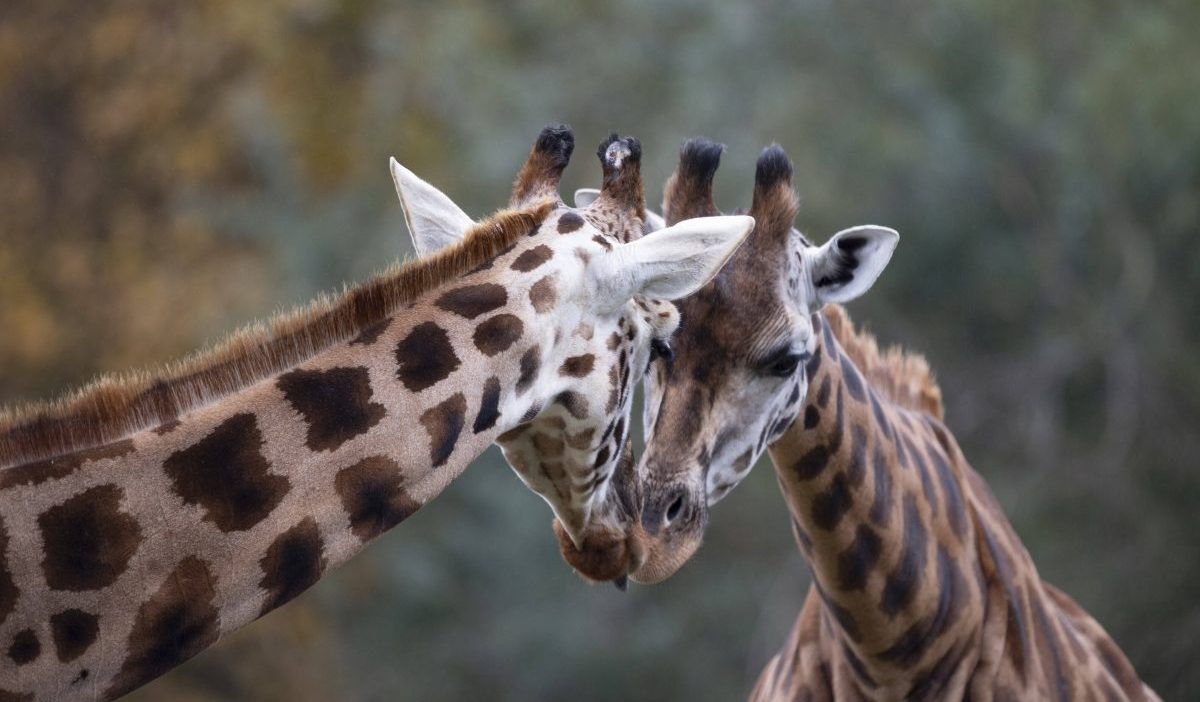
[532, 258]
[881, 502]
[569, 222]
[856, 562]
[73, 631]
[856, 469]
[1048, 650]
[373, 495]
[814, 363]
[583, 440]
[812, 417]
[575, 403]
[226, 474]
[852, 380]
[543, 294]
[930, 683]
[8, 588]
[844, 617]
[902, 583]
[602, 459]
[532, 412]
[497, 334]
[603, 242]
[425, 356]
[54, 468]
[549, 446]
[87, 540]
[293, 563]
[444, 423]
[830, 506]
[473, 300]
[918, 458]
[336, 404]
[166, 427]
[371, 333]
[25, 647]
[954, 501]
[531, 360]
[177, 622]
[614, 340]
[812, 463]
[489, 406]
[578, 366]
[823, 393]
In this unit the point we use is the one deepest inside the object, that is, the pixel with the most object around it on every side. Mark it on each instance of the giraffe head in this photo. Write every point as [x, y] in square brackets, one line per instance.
[738, 378]
[598, 295]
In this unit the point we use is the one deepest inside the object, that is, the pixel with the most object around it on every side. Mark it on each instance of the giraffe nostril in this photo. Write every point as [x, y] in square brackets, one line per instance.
[674, 510]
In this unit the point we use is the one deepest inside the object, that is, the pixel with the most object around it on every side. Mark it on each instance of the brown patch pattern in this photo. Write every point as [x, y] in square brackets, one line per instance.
[177, 622]
[373, 496]
[544, 294]
[497, 334]
[87, 540]
[73, 631]
[578, 366]
[444, 423]
[294, 562]
[227, 475]
[532, 258]
[473, 300]
[335, 403]
[426, 357]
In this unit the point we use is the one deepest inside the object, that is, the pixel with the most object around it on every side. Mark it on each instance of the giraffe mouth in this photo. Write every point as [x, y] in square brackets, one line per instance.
[604, 555]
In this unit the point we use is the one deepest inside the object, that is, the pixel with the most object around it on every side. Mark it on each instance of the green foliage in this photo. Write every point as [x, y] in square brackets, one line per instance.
[172, 170]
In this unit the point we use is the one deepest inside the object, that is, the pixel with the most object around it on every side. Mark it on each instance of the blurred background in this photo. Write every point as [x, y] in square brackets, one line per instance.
[169, 171]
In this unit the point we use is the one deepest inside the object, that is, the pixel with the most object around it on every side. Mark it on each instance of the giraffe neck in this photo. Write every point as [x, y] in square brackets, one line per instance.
[880, 516]
[125, 560]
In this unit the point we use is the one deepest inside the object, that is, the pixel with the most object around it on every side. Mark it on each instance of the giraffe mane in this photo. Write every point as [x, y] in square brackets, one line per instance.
[902, 377]
[114, 406]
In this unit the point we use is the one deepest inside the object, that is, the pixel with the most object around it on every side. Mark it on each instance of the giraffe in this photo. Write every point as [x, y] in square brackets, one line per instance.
[921, 588]
[146, 516]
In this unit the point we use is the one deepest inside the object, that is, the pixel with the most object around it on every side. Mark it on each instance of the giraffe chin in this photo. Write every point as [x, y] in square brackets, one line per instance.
[604, 555]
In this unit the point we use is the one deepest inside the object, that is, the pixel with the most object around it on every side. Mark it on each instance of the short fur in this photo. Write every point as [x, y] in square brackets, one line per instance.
[902, 377]
[115, 406]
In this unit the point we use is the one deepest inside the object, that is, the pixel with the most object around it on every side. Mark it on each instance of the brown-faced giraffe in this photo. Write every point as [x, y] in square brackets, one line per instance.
[147, 516]
[921, 589]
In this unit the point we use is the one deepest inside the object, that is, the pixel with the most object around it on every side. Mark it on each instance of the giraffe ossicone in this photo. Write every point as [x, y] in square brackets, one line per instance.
[921, 588]
[145, 516]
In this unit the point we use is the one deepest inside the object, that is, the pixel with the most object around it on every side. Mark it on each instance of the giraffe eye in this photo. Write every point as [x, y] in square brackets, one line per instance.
[782, 364]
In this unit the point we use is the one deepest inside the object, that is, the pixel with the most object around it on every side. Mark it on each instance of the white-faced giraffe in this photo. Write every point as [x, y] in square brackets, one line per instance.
[921, 589]
[146, 516]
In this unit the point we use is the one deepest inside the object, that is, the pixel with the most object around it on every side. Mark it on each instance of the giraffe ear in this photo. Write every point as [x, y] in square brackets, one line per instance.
[674, 263]
[433, 220]
[584, 197]
[848, 264]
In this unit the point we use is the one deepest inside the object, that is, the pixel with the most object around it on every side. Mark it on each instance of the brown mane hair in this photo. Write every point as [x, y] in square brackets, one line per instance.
[899, 376]
[114, 406]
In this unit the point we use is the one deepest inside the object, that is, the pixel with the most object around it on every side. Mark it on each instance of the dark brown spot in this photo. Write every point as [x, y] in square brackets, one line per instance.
[371, 333]
[856, 562]
[544, 294]
[62, 466]
[902, 583]
[851, 378]
[881, 502]
[25, 647]
[335, 403]
[489, 406]
[227, 475]
[603, 242]
[444, 423]
[575, 403]
[823, 393]
[177, 622]
[812, 463]
[426, 357]
[88, 540]
[569, 222]
[73, 631]
[578, 366]
[583, 440]
[373, 496]
[829, 506]
[528, 260]
[498, 333]
[473, 300]
[294, 562]
[531, 360]
[613, 341]
[8, 588]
